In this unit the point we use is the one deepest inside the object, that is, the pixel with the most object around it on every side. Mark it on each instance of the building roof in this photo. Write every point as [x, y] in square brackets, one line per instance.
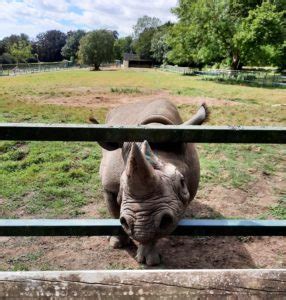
[133, 57]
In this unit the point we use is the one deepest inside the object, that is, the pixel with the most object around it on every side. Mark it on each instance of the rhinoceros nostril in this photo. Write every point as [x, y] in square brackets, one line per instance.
[166, 222]
[124, 223]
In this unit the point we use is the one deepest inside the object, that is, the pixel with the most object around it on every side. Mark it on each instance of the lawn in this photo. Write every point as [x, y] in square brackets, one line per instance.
[60, 179]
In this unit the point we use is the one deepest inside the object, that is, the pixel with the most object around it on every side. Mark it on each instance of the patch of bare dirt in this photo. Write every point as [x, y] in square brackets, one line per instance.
[252, 202]
[70, 253]
[98, 98]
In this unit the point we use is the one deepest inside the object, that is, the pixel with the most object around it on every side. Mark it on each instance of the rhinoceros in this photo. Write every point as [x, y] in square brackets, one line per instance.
[149, 186]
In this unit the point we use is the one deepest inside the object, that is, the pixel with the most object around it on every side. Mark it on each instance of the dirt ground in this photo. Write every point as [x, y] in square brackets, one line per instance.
[88, 97]
[67, 253]
[71, 253]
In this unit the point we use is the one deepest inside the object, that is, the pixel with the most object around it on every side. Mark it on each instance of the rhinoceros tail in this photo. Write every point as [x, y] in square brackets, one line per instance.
[200, 117]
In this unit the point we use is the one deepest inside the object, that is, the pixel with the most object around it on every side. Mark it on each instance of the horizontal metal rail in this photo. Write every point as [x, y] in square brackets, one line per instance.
[158, 134]
[103, 227]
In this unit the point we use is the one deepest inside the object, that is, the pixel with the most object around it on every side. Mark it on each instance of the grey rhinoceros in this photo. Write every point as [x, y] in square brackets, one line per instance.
[148, 187]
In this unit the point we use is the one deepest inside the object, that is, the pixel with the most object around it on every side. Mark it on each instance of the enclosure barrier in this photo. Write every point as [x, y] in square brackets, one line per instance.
[178, 284]
[256, 77]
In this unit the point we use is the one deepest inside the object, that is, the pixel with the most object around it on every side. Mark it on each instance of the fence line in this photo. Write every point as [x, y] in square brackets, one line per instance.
[112, 227]
[154, 134]
[20, 69]
[235, 76]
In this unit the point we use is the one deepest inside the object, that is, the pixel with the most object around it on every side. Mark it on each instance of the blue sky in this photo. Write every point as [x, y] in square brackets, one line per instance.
[35, 16]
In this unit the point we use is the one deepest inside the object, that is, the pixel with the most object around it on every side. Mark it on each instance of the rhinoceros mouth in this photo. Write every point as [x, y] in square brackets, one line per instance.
[143, 237]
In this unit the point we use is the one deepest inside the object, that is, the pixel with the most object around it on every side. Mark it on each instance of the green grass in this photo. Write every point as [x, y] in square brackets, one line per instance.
[125, 90]
[57, 83]
[279, 211]
[57, 179]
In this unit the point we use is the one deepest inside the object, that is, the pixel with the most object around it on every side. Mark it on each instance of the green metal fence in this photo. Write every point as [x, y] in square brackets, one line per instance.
[162, 134]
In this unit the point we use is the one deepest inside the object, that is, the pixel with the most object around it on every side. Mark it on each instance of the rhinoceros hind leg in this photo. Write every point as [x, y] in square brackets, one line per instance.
[148, 254]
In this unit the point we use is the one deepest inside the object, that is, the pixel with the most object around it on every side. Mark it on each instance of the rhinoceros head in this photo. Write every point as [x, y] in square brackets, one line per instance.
[153, 194]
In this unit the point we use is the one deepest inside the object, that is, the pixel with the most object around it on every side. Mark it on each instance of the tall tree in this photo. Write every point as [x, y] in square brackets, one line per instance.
[121, 46]
[213, 31]
[142, 45]
[159, 46]
[143, 33]
[96, 47]
[262, 34]
[8, 41]
[71, 47]
[21, 51]
[144, 23]
[49, 45]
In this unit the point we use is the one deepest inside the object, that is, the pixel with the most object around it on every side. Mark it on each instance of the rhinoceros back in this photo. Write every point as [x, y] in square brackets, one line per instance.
[146, 112]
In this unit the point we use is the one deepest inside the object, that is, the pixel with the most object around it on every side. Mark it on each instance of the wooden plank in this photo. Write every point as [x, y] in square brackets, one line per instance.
[103, 227]
[158, 134]
[145, 284]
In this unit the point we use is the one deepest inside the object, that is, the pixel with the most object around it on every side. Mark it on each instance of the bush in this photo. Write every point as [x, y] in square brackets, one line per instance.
[7, 58]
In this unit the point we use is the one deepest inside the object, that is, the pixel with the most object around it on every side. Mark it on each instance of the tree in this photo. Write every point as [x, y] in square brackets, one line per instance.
[7, 42]
[96, 47]
[214, 31]
[121, 46]
[21, 51]
[263, 32]
[70, 49]
[159, 46]
[7, 58]
[144, 23]
[142, 45]
[143, 33]
[49, 45]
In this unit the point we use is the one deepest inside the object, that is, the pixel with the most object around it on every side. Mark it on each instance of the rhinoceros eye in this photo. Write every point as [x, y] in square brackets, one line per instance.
[183, 191]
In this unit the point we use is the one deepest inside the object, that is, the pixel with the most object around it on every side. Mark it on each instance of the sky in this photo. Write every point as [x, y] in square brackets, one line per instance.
[35, 16]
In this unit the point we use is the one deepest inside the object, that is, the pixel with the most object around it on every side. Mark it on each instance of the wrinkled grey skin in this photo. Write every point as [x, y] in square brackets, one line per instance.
[149, 187]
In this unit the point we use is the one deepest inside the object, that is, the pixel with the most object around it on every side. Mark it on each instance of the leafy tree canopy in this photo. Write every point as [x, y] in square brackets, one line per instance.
[21, 51]
[225, 30]
[144, 23]
[7, 42]
[49, 44]
[96, 47]
[70, 49]
[121, 46]
[159, 45]
[142, 45]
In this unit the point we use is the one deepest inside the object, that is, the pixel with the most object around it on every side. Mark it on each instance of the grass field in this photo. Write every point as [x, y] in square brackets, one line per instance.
[56, 179]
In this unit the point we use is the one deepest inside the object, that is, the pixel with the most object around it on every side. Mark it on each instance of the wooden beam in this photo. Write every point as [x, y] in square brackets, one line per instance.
[103, 227]
[144, 284]
[158, 134]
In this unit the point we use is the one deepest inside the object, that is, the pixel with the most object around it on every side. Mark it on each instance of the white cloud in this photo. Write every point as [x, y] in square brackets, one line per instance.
[35, 16]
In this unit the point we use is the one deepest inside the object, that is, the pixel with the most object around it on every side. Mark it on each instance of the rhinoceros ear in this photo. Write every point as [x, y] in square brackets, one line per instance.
[109, 146]
[140, 173]
[150, 155]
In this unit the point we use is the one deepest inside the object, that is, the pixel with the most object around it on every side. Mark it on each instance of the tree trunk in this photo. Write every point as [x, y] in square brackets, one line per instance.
[235, 64]
[96, 67]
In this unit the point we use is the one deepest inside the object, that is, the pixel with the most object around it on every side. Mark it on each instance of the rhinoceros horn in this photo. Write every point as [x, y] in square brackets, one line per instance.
[140, 173]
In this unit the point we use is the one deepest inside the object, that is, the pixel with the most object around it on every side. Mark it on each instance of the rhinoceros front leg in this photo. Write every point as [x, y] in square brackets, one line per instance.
[114, 210]
[147, 253]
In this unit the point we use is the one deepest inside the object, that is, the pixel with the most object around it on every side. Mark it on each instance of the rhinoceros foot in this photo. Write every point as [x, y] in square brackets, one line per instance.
[148, 254]
[118, 241]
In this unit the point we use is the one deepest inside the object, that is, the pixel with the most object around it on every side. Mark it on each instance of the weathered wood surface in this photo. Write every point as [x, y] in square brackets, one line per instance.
[157, 134]
[145, 284]
[102, 227]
